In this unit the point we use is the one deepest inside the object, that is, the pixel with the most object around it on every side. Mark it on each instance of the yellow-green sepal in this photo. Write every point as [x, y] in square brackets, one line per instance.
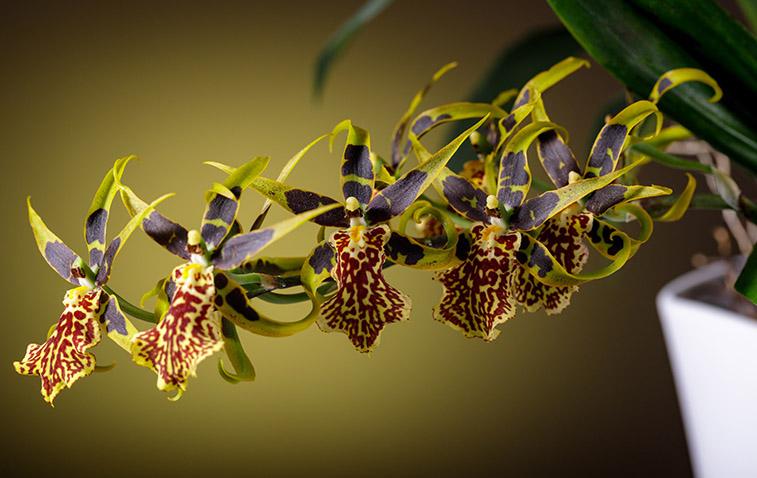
[232, 345]
[400, 130]
[56, 253]
[96, 223]
[671, 79]
[677, 210]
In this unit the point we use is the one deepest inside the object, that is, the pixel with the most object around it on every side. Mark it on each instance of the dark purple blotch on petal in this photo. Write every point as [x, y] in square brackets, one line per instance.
[557, 158]
[361, 192]
[462, 249]
[512, 173]
[169, 287]
[238, 301]
[534, 212]
[322, 258]
[664, 84]
[114, 319]
[606, 198]
[610, 138]
[95, 226]
[357, 161]
[399, 245]
[465, 198]
[508, 122]
[300, 201]
[600, 234]
[394, 199]
[110, 253]
[220, 281]
[522, 99]
[223, 208]
[242, 247]
[62, 259]
[541, 260]
[167, 233]
[213, 235]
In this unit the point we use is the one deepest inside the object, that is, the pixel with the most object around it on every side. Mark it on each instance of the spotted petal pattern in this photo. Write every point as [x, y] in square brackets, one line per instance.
[364, 301]
[476, 295]
[63, 359]
[563, 236]
[188, 333]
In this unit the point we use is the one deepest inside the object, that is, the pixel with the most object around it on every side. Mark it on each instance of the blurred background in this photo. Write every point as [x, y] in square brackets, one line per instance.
[587, 393]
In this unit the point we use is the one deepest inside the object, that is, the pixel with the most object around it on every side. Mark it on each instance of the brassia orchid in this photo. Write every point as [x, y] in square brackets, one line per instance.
[497, 239]
[203, 301]
[90, 308]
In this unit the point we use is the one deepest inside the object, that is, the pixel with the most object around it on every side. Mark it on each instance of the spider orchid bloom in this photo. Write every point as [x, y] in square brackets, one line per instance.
[90, 310]
[353, 256]
[483, 291]
[200, 303]
[564, 235]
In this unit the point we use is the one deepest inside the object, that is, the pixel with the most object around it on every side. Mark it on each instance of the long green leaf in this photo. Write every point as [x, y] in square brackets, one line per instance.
[632, 47]
[341, 38]
[746, 284]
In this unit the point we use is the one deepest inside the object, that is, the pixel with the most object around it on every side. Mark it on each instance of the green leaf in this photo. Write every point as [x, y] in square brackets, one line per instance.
[629, 44]
[746, 284]
[342, 37]
[723, 45]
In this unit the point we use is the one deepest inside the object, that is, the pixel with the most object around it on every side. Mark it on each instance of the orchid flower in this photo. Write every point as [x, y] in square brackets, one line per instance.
[90, 308]
[524, 250]
[353, 256]
[201, 302]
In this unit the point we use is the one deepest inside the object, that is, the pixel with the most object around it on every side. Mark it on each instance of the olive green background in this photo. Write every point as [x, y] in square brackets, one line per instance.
[588, 393]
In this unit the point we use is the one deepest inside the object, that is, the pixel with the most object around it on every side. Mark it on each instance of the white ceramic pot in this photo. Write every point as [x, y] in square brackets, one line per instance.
[713, 352]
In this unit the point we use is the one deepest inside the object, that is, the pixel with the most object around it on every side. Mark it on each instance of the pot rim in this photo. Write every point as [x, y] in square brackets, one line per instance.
[670, 294]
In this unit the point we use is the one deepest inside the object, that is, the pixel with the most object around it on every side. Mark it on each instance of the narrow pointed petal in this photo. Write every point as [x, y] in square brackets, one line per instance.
[97, 216]
[57, 254]
[242, 248]
[223, 203]
[476, 296]
[188, 333]
[613, 137]
[514, 172]
[548, 78]
[364, 302]
[118, 327]
[169, 234]
[563, 236]
[63, 358]
[556, 158]
[536, 211]
[356, 172]
[298, 200]
[616, 194]
[678, 76]
[115, 246]
[401, 128]
[396, 198]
